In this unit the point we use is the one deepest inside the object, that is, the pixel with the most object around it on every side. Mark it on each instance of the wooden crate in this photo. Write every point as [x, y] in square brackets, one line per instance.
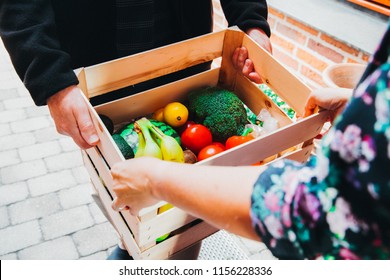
[139, 233]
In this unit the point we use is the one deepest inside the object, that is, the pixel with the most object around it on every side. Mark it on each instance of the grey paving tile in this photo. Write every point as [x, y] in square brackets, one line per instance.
[15, 238]
[51, 182]
[97, 214]
[97, 238]
[66, 222]
[64, 161]
[4, 221]
[75, 196]
[30, 124]
[58, 249]
[13, 193]
[22, 171]
[34, 208]
[40, 150]
[19, 102]
[10, 157]
[13, 141]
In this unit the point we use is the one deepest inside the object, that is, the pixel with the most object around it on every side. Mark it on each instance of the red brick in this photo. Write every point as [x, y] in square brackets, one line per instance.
[295, 35]
[314, 61]
[272, 23]
[366, 57]
[276, 13]
[278, 41]
[312, 75]
[325, 51]
[339, 45]
[302, 26]
[285, 59]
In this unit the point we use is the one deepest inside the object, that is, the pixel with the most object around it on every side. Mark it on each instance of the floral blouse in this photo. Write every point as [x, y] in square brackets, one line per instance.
[337, 205]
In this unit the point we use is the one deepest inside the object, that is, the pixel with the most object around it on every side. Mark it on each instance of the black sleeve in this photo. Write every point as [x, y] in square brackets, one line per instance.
[28, 31]
[247, 14]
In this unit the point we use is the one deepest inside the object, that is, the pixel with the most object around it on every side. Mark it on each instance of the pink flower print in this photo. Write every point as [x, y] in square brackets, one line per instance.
[286, 215]
[347, 254]
[274, 226]
[348, 144]
[341, 219]
[272, 201]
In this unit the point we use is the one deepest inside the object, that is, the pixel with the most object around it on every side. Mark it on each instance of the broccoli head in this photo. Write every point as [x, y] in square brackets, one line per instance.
[218, 109]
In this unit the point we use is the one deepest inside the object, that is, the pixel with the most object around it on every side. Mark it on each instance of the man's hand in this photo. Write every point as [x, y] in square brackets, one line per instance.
[240, 55]
[71, 117]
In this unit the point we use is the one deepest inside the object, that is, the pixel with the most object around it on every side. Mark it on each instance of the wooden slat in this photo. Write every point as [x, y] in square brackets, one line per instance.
[116, 74]
[288, 86]
[383, 9]
[123, 110]
[270, 144]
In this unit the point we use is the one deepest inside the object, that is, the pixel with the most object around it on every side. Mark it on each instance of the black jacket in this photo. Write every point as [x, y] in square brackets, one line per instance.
[47, 39]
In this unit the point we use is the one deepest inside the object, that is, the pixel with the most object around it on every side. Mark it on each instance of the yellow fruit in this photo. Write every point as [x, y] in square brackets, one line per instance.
[175, 114]
[158, 115]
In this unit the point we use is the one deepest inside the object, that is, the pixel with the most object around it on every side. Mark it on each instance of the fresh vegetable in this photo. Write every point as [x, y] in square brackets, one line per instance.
[175, 114]
[153, 142]
[158, 115]
[236, 140]
[147, 146]
[131, 136]
[195, 137]
[108, 123]
[189, 156]
[218, 109]
[209, 151]
[125, 149]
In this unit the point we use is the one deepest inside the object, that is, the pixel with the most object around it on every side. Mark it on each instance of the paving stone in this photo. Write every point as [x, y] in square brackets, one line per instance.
[8, 93]
[51, 182]
[37, 111]
[13, 193]
[9, 116]
[4, 221]
[47, 134]
[68, 145]
[22, 171]
[40, 150]
[18, 103]
[96, 238]
[34, 208]
[58, 249]
[75, 196]
[252, 246]
[18, 237]
[66, 222]
[81, 174]
[102, 255]
[97, 214]
[13, 141]
[8, 158]
[9, 257]
[64, 161]
[2, 107]
[263, 255]
[30, 124]
[5, 129]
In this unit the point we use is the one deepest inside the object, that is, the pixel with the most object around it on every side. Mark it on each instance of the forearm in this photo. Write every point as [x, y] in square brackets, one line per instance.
[28, 31]
[218, 195]
[247, 14]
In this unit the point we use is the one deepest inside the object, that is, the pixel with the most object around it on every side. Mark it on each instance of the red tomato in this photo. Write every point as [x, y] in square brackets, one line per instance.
[237, 140]
[181, 129]
[209, 151]
[195, 137]
[219, 144]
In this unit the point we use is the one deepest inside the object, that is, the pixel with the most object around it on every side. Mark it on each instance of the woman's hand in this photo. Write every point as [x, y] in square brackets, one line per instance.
[132, 183]
[332, 99]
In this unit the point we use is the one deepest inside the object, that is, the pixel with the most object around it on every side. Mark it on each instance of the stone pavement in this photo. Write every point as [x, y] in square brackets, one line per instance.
[46, 210]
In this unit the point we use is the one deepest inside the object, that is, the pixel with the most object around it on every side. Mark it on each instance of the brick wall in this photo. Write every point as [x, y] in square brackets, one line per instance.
[303, 50]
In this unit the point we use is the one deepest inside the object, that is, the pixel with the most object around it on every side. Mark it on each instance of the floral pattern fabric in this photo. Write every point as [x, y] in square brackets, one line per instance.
[337, 205]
